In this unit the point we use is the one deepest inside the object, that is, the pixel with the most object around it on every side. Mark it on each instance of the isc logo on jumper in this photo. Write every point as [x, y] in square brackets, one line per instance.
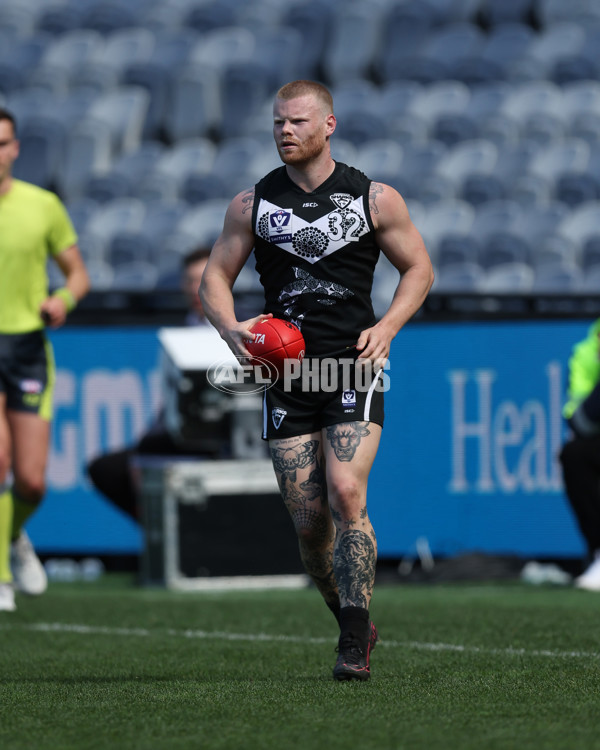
[280, 226]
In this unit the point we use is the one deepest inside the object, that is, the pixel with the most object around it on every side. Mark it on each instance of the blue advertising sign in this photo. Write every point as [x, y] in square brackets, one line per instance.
[107, 392]
[468, 457]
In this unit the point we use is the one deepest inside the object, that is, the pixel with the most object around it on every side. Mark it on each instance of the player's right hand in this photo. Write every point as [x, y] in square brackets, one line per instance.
[241, 334]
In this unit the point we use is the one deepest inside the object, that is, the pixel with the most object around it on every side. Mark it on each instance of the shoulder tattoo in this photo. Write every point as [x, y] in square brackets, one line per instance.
[248, 200]
[375, 190]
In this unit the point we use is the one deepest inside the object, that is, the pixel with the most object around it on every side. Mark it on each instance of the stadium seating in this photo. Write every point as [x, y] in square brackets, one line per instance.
[244, 87]
[301, 17]
[358, 29]
[460, 277]
[468, 107]
[88, 152]
[139, 274]
[455, 248]
[44, 140]
[508, 277]
[557, 277]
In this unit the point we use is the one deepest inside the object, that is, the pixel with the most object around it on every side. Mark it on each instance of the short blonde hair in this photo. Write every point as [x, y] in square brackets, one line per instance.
[294, 89]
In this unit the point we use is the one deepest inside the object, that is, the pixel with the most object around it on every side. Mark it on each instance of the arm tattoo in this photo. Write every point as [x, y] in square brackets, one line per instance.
[354, 567]
[375, 190]
[345, 438]
[248, 200]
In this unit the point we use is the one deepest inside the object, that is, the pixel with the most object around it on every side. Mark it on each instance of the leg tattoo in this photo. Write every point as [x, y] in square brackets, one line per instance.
[304, 491]
[345, 438]
[354, 567]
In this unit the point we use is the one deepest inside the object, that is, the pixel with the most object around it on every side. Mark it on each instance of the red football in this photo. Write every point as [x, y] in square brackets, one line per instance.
[276, 340]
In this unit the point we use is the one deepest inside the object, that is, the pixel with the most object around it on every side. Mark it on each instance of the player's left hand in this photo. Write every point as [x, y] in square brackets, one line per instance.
[53, 311]
[374, 345]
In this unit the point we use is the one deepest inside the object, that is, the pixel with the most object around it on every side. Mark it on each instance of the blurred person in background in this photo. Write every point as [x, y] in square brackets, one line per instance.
[34, 226]
[111, 473]
[580, 455]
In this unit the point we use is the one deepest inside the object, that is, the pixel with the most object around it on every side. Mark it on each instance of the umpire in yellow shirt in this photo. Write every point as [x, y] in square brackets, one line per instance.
[34, 226]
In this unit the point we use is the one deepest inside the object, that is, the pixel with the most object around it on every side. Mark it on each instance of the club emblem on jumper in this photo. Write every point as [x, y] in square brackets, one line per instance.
[280, 225]
[277, 415]
[341, 200]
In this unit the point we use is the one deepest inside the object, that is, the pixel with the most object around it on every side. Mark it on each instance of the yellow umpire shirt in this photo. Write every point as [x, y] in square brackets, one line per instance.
[34, 225]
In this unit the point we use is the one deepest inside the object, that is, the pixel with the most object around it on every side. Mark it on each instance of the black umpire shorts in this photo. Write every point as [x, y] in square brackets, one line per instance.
[27, 372]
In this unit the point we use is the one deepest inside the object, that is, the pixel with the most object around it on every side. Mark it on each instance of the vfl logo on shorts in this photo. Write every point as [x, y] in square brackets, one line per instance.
[277, 415]
[32, 392]
[349, 398]
[31, 386]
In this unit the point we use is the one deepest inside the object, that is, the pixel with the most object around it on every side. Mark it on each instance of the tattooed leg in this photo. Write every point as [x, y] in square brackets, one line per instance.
[354, 565]
[298, 464]
[350, 449]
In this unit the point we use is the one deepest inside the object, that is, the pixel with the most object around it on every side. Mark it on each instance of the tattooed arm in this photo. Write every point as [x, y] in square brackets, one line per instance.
[402, 244]
[227, 258]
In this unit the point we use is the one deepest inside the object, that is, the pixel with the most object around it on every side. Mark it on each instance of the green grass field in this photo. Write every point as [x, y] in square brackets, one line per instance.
[110, 665]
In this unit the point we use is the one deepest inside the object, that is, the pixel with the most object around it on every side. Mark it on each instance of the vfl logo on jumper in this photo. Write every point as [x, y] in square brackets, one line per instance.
[280, 226]
[349, 398]
[277, 415]
[317, 239]
[329, 293]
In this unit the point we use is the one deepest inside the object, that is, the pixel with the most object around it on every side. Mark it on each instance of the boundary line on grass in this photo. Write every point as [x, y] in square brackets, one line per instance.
[59, 627]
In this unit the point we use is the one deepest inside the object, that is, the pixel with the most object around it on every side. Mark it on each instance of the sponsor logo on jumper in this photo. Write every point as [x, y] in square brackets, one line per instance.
[278, 415]
[310, 205]
[280, 225]
[242, 377]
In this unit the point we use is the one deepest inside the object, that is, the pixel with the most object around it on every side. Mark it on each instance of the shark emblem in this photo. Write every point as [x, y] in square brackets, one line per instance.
[307, 284]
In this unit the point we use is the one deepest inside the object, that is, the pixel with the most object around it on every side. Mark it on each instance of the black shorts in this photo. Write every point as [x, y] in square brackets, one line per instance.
[328, 391]
[27, 372]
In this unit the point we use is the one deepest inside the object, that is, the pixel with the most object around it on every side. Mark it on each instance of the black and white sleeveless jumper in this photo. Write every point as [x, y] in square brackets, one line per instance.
[315, 255]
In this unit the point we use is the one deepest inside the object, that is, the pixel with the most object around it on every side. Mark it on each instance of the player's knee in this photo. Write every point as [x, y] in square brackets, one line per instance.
[31, 489]
[313, 529]
[4, 466]
[345, 495]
